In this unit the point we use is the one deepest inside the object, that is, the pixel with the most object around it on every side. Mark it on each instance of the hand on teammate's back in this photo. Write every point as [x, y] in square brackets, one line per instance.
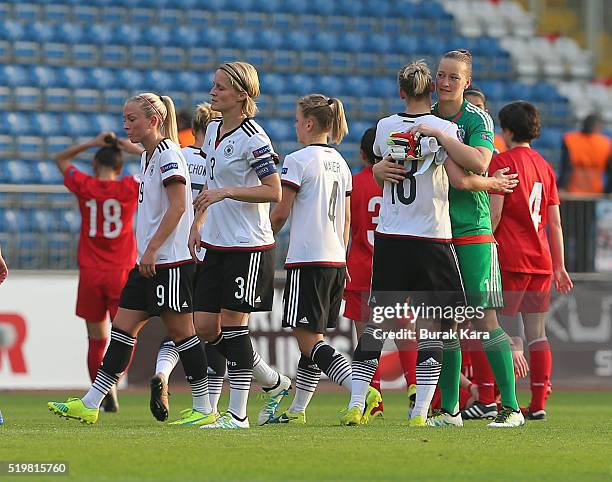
[389, 170]
[505, 182]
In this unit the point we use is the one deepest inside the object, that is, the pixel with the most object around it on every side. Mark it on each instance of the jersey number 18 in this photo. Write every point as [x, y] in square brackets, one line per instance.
[401, 187]
[112, 224]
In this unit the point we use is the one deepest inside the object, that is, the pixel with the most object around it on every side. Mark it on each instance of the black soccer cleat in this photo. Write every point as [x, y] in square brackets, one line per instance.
[480, 411]
[159, 398]
[537, 415]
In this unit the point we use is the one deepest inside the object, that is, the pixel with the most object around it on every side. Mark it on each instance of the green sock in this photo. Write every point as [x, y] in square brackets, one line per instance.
[499, 353]
[450, 375]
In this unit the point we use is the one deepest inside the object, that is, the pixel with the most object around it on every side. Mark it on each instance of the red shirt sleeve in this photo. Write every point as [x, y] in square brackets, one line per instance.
[498, 161]
[553, 193]
[74, 179]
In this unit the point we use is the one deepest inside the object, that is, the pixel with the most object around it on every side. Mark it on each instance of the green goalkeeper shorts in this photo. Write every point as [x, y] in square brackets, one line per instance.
[479, 268]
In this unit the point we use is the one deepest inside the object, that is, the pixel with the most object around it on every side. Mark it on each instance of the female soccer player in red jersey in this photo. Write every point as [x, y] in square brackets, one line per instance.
[107, 248]
[520, 220]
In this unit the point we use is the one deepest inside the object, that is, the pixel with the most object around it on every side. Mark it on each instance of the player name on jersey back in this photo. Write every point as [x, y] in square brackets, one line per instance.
[417, 207]
[323, 180]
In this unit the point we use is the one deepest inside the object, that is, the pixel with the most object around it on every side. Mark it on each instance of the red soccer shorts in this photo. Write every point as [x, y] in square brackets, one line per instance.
[525, 293]
[99, 293]
[356, 307]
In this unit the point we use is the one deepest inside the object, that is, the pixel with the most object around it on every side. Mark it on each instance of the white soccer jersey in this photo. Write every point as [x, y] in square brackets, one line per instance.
[196, 163]
[166, 164]
[323, 180]
[240, 158]
[417, 207]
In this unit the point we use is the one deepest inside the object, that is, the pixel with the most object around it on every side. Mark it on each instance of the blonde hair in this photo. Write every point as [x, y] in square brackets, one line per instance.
[328, 113]
[162, 107]
[202, 116]
[461, 55]
[243, 77]
[415, 79]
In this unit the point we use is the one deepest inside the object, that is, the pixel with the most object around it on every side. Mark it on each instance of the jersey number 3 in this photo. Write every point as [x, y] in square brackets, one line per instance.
[112, 224]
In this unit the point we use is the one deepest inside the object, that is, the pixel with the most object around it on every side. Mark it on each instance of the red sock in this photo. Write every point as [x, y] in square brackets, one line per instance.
[483, 375]
[408, 355]
[436, 400]
[97, 348]
[375, 383]
[540, 367]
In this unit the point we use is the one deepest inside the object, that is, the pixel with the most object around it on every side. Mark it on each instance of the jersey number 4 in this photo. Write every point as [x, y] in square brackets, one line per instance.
[401, 187]
[112, 224]
[535, 202]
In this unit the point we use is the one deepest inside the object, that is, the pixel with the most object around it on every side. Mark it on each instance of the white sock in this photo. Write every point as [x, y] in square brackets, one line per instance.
[215, 387]
[359, 391]
[199, 396]
[167, 358]
[238, 403]
[263, 373]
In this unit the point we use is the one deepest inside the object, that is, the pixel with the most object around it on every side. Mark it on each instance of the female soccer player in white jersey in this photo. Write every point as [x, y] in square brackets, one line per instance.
[317, 184]
[161, 283]
[413, 253]
[168, 356]
[233, 224]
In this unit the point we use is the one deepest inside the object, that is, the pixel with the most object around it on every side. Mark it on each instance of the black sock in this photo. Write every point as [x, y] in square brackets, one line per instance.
[239, 353]
[116, 360]
[332, 363]
[194, 363]
[366, 356]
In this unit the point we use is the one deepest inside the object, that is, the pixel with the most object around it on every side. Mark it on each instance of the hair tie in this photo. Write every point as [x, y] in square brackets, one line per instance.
[330, 101]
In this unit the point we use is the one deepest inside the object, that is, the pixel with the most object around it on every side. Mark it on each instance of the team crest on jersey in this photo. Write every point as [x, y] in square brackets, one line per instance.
[151, 171]
[228, 150]
[285, 169]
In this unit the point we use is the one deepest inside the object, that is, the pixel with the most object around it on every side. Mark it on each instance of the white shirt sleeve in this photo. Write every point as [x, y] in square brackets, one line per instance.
[292, 172]
[172, 167]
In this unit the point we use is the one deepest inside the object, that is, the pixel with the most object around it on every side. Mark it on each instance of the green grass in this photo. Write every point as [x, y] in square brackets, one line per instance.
[573, 445]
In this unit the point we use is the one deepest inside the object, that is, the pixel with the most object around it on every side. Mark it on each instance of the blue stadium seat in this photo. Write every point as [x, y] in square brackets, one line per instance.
[280, 20]
[113, 100]
[356, 130]
[13, 31]
[77, 125]
[228, 20]
[352, 42]
[356, 86]
[379, 43]
[326, 41]
[185, 36]
[48, 173]
[298, 40]
[314, 61]
[212, 37]
[18, 123]
[61, 250]
[241, 38]
[19, 172]
[30, 248]
[43, 220]
[57, 144]
[143, 56]
[27, 12]
[55, 53]
[45, 123]
[270, 39]
[285, 60]
[256, 21]
[100, 34]
[300, 84]
[159, 81]
[159, 35]
[29, 147]
[28, 98]
[259, 58]
[70, 33]
[26, 52]
[7, 148]
[102, 79]
[128, 34]
[114, 55]
[279, 130]
[367, 63]
[43, 76]
[72, 77]
[330, 85]
[272, 84]
[190, 81]
[170, 17]
[87, 100]
[70, 221]
[85, 55]
[14, 75]
[106, 122]
[201, 58]
[84, 14]
[58, 99]
[131, 169]
[13, 220]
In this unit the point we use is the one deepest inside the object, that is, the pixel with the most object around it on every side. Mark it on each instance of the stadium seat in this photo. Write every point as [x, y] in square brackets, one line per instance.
[325, 41]
[77, 125]
[103, 79]
[340, 62]
[56, 53]
[314, 62]
[330, 85]
[46, 172]
[85, 55]
[6, 98]
[143, 56]
[31, 250]
[170, 17]
[83, 14]
[28, 98]
[13, 220]
[29, 147]
[70, 221]
[26, 52]
[185, 37]
[57, 144]
[7, 148]
[114, 55]
[69, 33]
[27, 12]
[212, 37]
[14, 75]
[61, 250]
[201, 58]
[270, 39]
[280, 21]
[228, 20]
[301, 84]
[19, 172]
[285, 60]
[45, 123]
[259, 58]
[87, 100]
[18, 123]
[128, 35]
[272, 84]
[58, 99]
[115, 14]
[13, 31]
[172, 57]
[279, 130]
[256, 21]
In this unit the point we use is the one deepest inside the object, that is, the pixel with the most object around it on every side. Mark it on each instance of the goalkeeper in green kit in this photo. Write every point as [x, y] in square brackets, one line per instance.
[475, 244]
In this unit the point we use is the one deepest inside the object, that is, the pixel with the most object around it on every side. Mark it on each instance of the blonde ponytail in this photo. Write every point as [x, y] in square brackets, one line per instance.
[328, 113]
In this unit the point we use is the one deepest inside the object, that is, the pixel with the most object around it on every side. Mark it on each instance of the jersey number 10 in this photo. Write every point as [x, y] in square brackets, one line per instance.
[401, 187]
[112, 224]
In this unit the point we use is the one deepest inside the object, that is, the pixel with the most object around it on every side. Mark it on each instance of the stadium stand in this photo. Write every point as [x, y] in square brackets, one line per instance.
[68, 68]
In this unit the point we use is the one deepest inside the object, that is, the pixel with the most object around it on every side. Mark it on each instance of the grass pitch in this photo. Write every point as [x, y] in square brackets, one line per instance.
[574, 444]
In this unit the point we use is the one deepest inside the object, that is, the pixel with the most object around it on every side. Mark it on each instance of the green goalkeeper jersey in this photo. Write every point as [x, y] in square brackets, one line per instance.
[469, 211]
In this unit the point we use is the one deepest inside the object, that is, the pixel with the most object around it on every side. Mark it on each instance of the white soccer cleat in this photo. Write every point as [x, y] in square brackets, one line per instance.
[441, 418]
[272, 400]
[508, 418]
[227, 421]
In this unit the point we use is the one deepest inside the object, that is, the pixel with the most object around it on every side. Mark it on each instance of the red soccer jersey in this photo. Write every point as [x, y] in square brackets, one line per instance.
[107, 220]
[521, 233]
[365, 205]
